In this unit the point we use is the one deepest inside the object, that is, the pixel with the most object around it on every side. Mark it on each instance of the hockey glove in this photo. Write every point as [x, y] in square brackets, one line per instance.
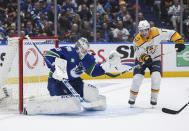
[111, 62]
[60, 69]
[179, 47]
[146, 59]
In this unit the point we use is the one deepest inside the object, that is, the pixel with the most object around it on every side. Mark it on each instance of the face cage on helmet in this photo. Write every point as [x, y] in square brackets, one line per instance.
[80, 49]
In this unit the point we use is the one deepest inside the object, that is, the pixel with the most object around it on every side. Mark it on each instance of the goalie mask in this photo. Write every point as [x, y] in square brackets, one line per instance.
[82, 47]
[144, 28]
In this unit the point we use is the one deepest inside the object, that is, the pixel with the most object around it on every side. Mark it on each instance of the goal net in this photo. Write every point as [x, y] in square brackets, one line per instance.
[23, 73]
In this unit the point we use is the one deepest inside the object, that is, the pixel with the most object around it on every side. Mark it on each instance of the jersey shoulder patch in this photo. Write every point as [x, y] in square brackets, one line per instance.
[153, 32]
[138, 40]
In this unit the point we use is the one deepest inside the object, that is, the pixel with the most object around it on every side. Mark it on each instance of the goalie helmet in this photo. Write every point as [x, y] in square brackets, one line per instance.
[144, 28]
[82, 47]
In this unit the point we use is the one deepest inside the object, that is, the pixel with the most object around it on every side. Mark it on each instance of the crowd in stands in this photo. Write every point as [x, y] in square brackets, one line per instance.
[115, 19]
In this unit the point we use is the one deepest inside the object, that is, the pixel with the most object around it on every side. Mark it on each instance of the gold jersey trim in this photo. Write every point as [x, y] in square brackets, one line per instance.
[154, 32]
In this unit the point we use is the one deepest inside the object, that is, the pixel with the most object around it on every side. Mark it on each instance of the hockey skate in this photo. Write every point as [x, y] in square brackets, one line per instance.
[131, 102]
[153, 102]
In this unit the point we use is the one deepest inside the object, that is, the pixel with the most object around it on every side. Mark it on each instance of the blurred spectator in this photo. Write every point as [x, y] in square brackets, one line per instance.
[140, 16]
[68, 5]
[108, 9]
[85, 13]
[2, 33]
[119, 37]
[115, 5]
[35, 15]
[77, 20]
[49, 28]
[13, 26]
[75, 29]
[122, 13]
[132, 31]
[106, 32]
[164, 7]
[174, 13]
[22, 33]
[29, 29]
[99, 37]
[64, 22]
[50, 13]
[26, 5]
[111, 25]
[186, 23]
[12, 33]
[86, 2]
[124, 31]
[86, 29]
[127, 21]
[152, 24]
[100, 8]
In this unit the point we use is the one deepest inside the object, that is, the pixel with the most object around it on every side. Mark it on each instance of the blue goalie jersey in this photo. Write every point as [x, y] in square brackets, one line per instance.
[75, 66]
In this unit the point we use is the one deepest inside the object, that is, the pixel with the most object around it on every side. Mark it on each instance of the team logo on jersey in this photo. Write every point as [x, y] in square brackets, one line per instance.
[151, 49]
[77, 70]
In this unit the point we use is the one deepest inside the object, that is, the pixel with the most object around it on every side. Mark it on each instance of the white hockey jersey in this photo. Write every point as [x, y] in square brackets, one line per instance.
[152, 44]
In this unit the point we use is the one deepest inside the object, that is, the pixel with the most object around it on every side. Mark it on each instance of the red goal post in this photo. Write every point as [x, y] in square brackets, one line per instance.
[26, 71]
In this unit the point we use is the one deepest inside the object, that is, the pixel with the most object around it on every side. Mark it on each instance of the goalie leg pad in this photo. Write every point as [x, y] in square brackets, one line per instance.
[101, 106]
[53, 105]
[137, 81]
[91, 94]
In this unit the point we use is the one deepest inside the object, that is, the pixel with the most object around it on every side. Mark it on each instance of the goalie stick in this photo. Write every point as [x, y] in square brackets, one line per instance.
[136, 66]
[85, 104]
[170, 111]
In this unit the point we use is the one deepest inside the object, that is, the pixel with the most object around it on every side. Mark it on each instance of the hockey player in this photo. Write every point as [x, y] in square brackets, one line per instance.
[147, 48]
[70, 63]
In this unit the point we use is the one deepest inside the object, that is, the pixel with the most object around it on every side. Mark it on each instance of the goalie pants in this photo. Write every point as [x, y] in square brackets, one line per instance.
[57, 88]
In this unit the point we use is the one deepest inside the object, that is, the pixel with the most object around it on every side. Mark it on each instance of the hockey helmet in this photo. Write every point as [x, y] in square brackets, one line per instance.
[82, 47]
[144, 28]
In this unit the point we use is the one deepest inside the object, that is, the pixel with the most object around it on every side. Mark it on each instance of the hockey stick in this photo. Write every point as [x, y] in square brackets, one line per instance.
[136, 66]
[85, 104]
[170, 111]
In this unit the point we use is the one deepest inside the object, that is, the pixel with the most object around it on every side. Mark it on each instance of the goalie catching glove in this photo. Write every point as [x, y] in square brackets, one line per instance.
[60, 69]
[111, 63]
[145, 58]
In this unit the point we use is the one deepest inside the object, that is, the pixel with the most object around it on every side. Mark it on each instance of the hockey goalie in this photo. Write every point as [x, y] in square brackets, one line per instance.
[70, 63]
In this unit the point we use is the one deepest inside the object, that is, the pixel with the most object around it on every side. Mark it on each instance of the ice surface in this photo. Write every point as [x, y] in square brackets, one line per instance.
[119, 116]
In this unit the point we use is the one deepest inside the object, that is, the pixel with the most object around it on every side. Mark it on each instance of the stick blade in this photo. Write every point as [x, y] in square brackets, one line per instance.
[169, 111]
